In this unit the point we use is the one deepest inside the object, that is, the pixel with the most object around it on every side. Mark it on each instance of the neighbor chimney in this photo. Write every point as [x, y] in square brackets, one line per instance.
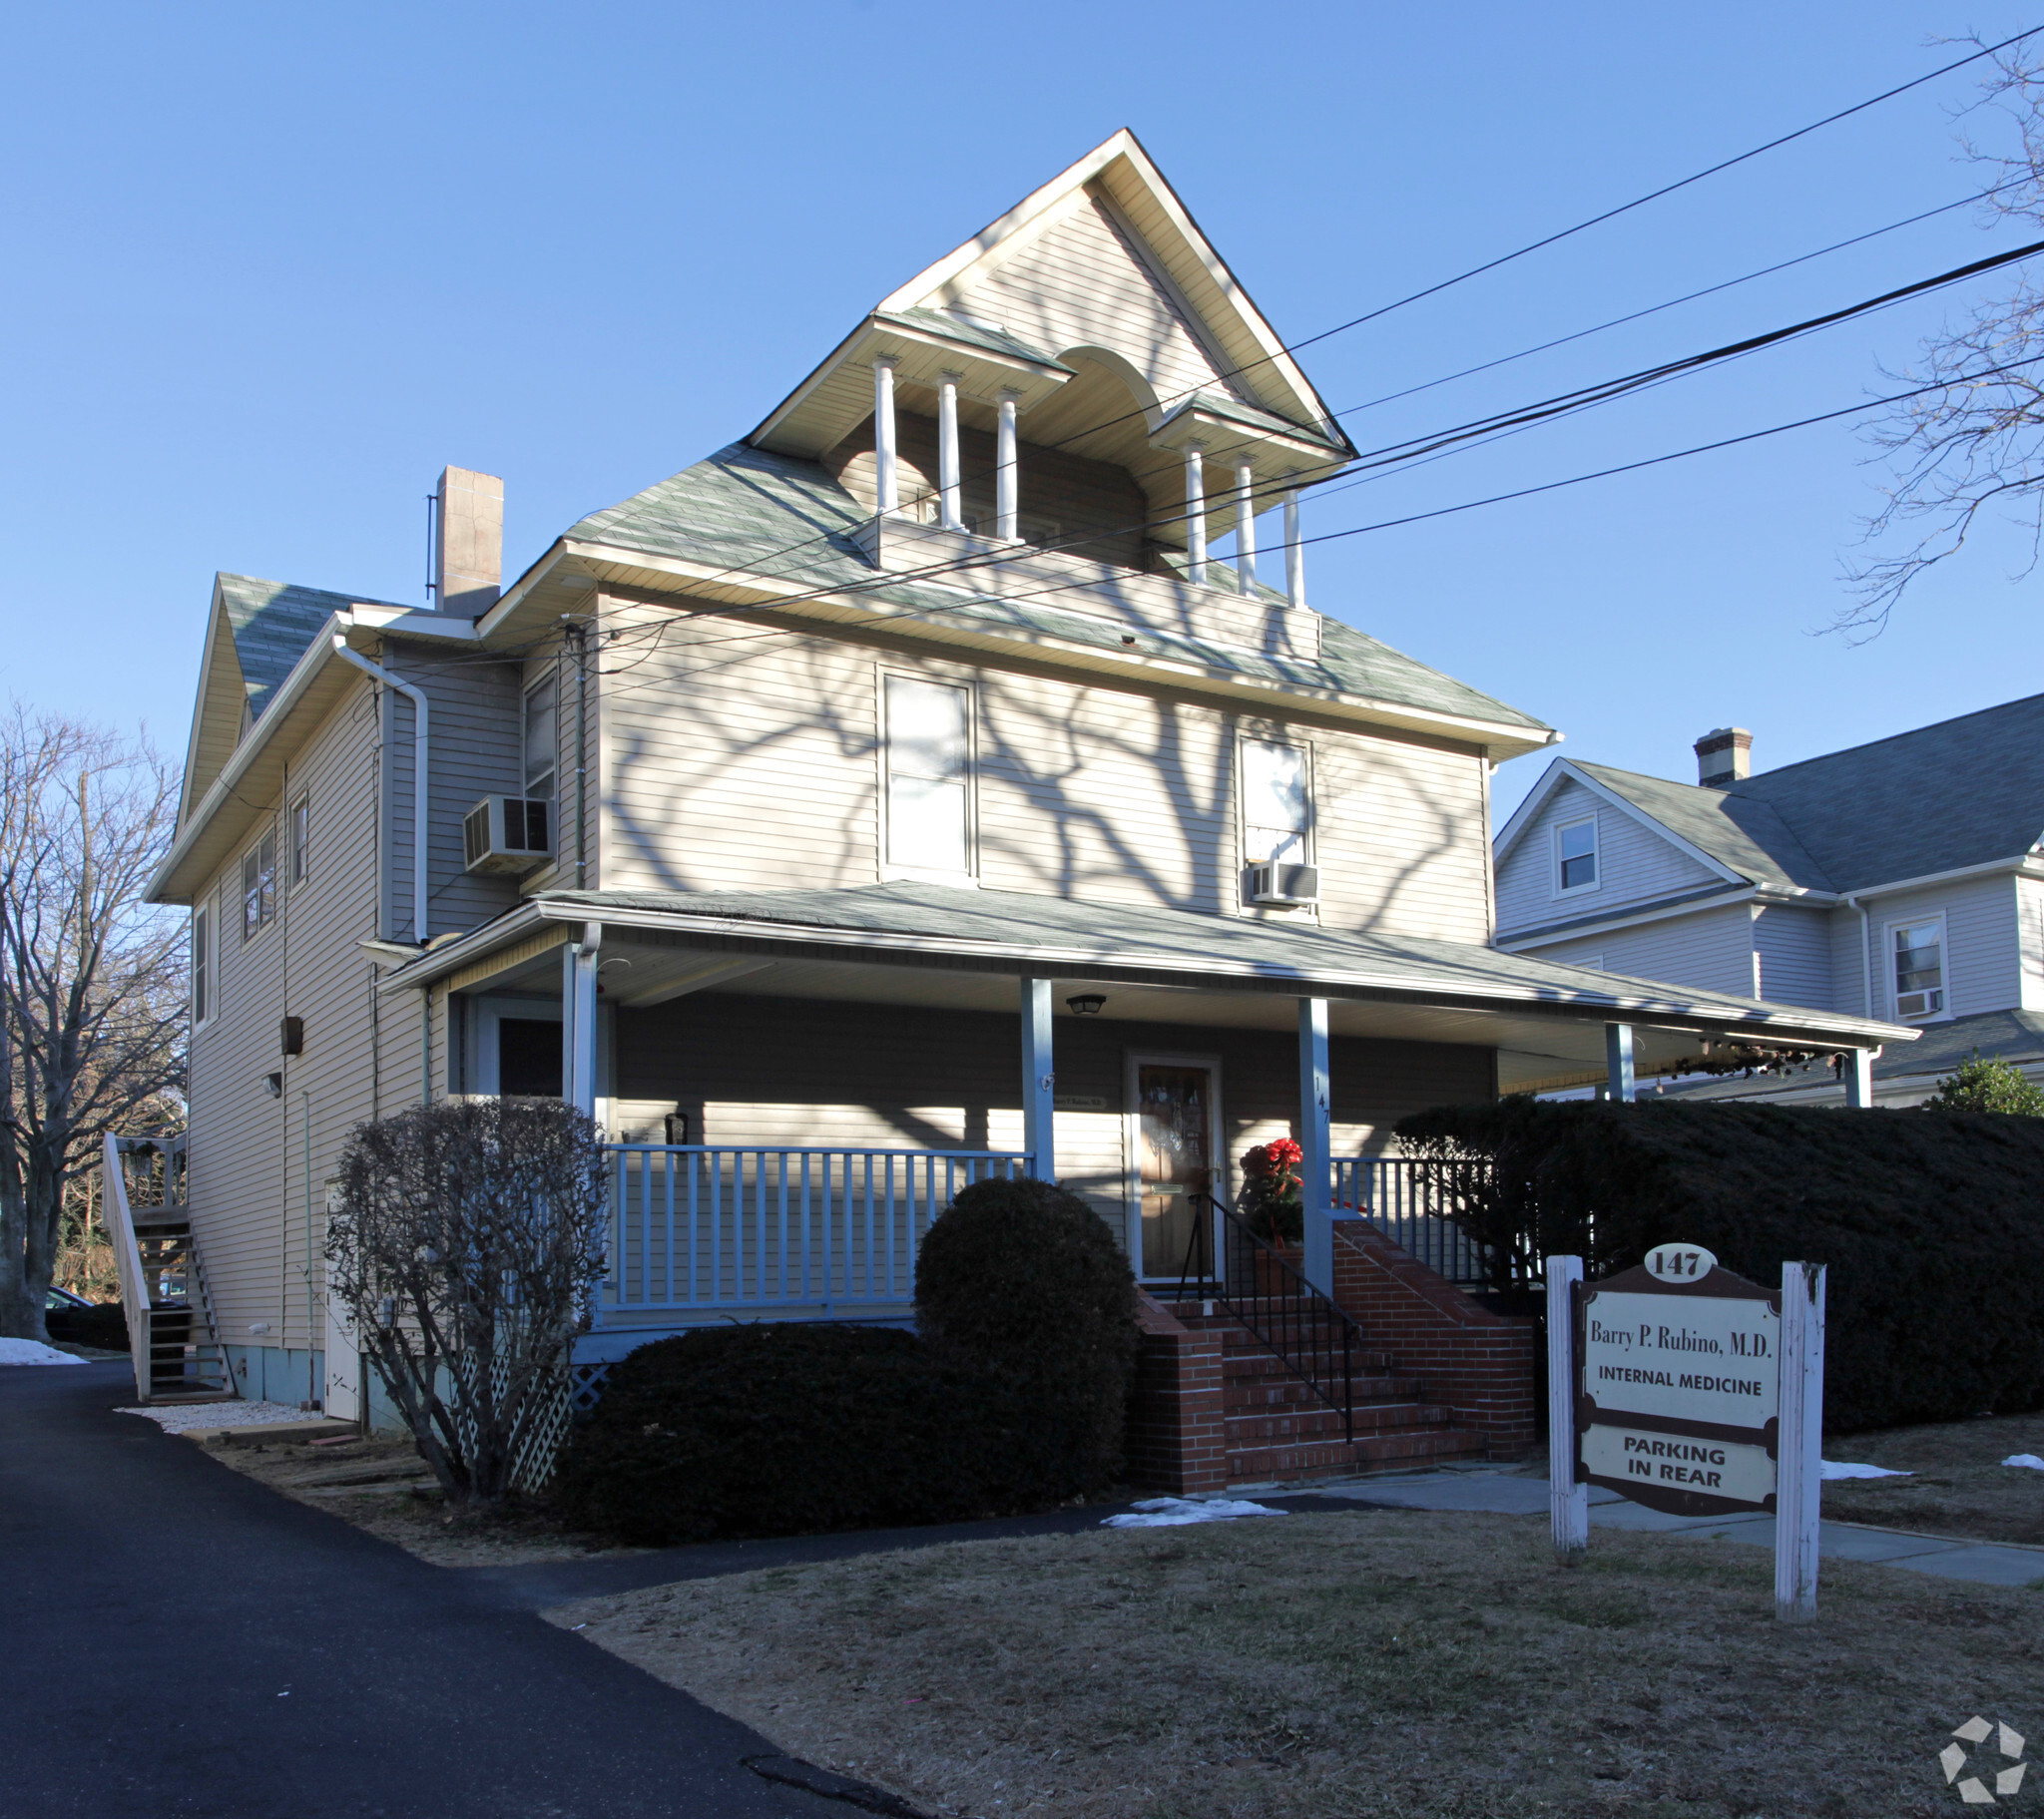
[468, 541]
[1724, 757]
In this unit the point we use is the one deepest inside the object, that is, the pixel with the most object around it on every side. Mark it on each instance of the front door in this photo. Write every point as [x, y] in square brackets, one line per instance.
[1174, 1163]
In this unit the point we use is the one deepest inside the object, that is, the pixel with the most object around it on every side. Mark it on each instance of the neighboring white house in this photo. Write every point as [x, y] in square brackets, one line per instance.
[901, 792]
[1897, 880]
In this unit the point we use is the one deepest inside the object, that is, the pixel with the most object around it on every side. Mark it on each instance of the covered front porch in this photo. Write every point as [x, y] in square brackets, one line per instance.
[796, 1082]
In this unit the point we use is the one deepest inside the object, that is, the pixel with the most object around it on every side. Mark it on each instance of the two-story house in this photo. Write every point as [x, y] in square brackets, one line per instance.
[1900, 880]
[905, 792]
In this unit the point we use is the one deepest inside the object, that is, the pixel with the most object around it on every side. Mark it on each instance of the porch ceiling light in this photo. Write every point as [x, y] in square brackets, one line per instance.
[1087, 1004]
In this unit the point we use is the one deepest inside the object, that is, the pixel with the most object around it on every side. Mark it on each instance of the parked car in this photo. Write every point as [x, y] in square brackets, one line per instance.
[72, 1321]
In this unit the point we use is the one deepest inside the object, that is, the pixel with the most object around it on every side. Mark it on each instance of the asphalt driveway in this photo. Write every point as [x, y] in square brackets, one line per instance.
[180, 1642]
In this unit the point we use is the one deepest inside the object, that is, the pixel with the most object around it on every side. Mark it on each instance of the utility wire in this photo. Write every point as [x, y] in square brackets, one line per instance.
[1638, 202]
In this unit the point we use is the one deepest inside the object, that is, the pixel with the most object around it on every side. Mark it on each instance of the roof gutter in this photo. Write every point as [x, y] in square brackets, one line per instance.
[419, 775]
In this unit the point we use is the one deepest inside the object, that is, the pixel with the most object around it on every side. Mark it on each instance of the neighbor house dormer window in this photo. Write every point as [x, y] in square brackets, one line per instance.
[928, 738]
[1574, 856]
[1918, 952]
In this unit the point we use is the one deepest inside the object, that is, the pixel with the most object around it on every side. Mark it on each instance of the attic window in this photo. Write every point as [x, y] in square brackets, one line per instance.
[1574, 856]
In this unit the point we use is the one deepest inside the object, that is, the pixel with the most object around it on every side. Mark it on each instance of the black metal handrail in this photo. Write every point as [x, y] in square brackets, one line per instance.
[1313, 1338]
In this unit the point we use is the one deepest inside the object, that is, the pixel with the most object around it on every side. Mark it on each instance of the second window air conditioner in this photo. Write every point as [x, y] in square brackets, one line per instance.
[508, 834]
[1290, 885]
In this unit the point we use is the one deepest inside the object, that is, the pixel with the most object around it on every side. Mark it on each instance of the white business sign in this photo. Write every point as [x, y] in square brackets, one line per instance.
[1682, 1357]
[1713, 1468]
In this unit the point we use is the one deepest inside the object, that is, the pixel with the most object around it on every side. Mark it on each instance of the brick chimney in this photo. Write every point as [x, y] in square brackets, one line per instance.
[1724, 757]
[468, 541]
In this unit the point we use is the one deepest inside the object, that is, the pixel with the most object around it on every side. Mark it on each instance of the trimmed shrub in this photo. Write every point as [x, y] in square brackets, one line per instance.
[1984, 1084]
[797, 1429]
[1932, 1224]
[1023, 1281]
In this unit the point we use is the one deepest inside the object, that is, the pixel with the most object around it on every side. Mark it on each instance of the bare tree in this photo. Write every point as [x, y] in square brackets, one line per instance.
[1974, 440]
[465, 1245]
[92, 976]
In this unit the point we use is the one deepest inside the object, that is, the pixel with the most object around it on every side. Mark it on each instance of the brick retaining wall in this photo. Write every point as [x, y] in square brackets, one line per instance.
[1177, 1426]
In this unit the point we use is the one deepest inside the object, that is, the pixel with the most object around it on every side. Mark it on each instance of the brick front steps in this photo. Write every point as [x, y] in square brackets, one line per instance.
[1275, 1427]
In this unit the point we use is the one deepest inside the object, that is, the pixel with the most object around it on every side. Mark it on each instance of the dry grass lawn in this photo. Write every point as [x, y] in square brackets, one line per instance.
[1336, 1667]
[384, 1487]
[1959, 1486]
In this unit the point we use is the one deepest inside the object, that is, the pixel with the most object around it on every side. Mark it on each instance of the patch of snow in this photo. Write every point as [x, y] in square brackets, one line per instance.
[1173, 1512]
[177, 1417]
[1833, 1470]
[33, 1351]
[2025, 1459]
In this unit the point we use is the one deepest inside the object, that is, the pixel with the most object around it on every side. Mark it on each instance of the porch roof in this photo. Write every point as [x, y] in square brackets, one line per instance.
[1459, 992]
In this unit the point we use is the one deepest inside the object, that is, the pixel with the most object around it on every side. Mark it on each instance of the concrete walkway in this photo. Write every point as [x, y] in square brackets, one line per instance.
[1515, 1494]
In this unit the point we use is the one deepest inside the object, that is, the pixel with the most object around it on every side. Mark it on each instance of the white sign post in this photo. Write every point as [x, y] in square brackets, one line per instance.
[1692, 1391]
[1799, 1496]
[1568, 1502]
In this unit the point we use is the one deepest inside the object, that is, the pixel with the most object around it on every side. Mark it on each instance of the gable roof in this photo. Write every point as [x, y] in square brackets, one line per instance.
[1746, 837]
[1960, 792]
[744, 508]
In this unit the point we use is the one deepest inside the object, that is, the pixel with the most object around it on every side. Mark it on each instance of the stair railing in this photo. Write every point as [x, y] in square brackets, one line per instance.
[134, 1291]
[1309, 1334]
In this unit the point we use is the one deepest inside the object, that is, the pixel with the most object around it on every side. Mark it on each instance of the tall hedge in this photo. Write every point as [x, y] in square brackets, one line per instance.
[791, 1428]
[1023, 1281]
[1932, 1225]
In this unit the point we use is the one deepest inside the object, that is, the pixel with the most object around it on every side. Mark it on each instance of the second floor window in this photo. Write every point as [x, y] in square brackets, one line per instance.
[1919, 967]
[1575, 853]
[929, 775]
[1276, 803]
[302, 838]
[201, 965]
[258, 885]
[542, 736]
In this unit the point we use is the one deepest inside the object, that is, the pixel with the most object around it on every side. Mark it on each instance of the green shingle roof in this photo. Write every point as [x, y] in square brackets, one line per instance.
[1748, 836]
[274, 623]
[971, 334]
[745, 508]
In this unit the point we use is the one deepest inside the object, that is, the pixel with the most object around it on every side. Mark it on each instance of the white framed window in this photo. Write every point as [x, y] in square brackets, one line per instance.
[258, 885]
[541, 736]
[1277, 803]
[1916, 968]
[1575, 857]
[927, 735]
[302, 838]
[203, 987]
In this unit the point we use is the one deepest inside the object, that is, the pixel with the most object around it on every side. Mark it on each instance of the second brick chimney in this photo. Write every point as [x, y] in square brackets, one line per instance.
[1724, 756]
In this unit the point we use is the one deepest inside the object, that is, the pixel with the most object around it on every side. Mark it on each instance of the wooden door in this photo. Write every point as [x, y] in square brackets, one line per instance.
[1174, 1163]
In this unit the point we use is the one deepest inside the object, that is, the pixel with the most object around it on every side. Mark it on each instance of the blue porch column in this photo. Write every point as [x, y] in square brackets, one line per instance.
[1618, 1060]
[1316, 1142]
[1859, 1077]
[1039, 1079]
[578, 960]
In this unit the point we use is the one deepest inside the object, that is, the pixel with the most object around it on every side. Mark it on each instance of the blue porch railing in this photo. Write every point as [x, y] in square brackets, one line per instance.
[696, 1226]
[1412, 1202]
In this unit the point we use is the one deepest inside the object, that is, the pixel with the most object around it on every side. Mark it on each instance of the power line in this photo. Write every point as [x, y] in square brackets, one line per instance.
[1492, 264]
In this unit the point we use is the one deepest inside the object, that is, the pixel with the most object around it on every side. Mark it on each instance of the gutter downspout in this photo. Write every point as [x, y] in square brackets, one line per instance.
[418, 777]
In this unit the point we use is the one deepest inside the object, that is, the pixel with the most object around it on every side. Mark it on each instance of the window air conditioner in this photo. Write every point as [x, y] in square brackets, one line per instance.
[508, 833]
[1919, 1004]
[1287, 884]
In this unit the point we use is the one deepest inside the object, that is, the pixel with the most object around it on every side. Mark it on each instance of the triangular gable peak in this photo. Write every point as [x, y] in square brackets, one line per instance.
[1563, 771]
[1101, 306]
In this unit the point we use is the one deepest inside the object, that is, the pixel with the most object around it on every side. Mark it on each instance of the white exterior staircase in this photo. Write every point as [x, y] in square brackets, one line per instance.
[173, 1337]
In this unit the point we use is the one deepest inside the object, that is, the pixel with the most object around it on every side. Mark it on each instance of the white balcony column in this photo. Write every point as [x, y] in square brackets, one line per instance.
[579, 962]
[1860, 1077]
[1196, 513]
[1006, 507]
[1295, 549]
[950, 514]
[1039, 1079]
[1618, 1060]
[1316, 1144]
[886, 470]
[1245, 528]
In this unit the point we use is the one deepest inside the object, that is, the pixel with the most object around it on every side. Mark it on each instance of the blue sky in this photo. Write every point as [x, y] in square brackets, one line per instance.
[273, 268]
